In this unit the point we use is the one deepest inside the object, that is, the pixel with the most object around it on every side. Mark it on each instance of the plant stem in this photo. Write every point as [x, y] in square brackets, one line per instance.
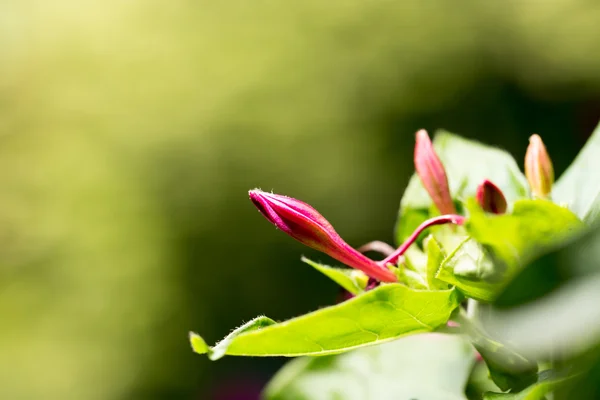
[442, 219]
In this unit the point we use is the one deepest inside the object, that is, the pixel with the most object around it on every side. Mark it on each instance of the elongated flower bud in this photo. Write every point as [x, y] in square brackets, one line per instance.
[432, 173]
[491, 198]
[305, 224]
[538, 167]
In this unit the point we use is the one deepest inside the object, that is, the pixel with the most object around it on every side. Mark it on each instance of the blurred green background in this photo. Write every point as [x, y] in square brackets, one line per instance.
[130, 132]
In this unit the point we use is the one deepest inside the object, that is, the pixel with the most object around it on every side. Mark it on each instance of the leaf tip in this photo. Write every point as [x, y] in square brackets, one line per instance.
[198, 344]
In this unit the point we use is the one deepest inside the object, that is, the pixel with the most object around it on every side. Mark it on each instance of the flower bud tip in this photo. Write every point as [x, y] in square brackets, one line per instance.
[431, 171]
[305, 224]
[538, 167]
[491, 198]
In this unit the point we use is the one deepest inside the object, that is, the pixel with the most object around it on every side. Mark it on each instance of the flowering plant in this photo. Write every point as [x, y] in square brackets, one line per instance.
[492, 293]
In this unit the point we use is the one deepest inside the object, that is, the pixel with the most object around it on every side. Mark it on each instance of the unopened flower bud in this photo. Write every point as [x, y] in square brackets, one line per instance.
[538, 167]
[491, 198]
[432, 173]
[305, 224]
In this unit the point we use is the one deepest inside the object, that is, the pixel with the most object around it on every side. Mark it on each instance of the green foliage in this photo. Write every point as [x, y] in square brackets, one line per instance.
[380, 315]
[425, 366]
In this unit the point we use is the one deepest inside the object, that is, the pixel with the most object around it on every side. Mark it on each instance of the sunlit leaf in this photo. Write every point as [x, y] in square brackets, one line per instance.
[502, 245]
[377, 316]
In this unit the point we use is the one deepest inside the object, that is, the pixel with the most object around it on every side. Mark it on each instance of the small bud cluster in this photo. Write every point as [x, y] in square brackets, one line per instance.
[305, 224]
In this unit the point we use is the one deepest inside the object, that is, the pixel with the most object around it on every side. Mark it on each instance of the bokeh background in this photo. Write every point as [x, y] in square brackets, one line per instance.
[130, 132]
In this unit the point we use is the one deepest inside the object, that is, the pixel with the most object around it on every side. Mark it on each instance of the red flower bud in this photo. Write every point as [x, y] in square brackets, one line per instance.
[305, 224]
[538, 167]
[432, 173]
[491, 198]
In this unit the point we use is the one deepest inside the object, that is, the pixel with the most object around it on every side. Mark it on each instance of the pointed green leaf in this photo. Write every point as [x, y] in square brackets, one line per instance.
[435, 258]
[411, 278]
[579, 187]
[427, 366]
[352, 280]
[377, 316]
[467, 164]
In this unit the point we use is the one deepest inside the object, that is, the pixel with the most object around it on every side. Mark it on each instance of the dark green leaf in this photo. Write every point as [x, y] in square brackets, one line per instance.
[508, 369]
[467, 164]
[377, 316]
[480, 382]
[424, 367]
[579, 187]
[537, 391]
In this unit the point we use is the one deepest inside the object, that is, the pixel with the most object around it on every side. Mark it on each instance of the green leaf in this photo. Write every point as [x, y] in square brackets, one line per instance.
[508, 369]
[509, 242]
[532, 228]
[480, 382]
[435, 258]
[352, 280]
[546, 384]
[467, 267]
[427, 366]
[467, 164]
[411, 278]
[377, 316]
[579, 187]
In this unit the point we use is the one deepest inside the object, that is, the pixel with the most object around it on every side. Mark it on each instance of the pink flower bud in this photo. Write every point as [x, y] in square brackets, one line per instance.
[538, 167]
[432, 173]
[491, 198]
[305, 224]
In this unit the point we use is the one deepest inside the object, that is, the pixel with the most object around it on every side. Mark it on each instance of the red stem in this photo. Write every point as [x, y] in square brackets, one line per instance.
[442, 219]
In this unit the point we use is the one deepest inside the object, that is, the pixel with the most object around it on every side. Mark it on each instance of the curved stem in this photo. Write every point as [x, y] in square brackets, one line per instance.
[441, 220]
[377, 246]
